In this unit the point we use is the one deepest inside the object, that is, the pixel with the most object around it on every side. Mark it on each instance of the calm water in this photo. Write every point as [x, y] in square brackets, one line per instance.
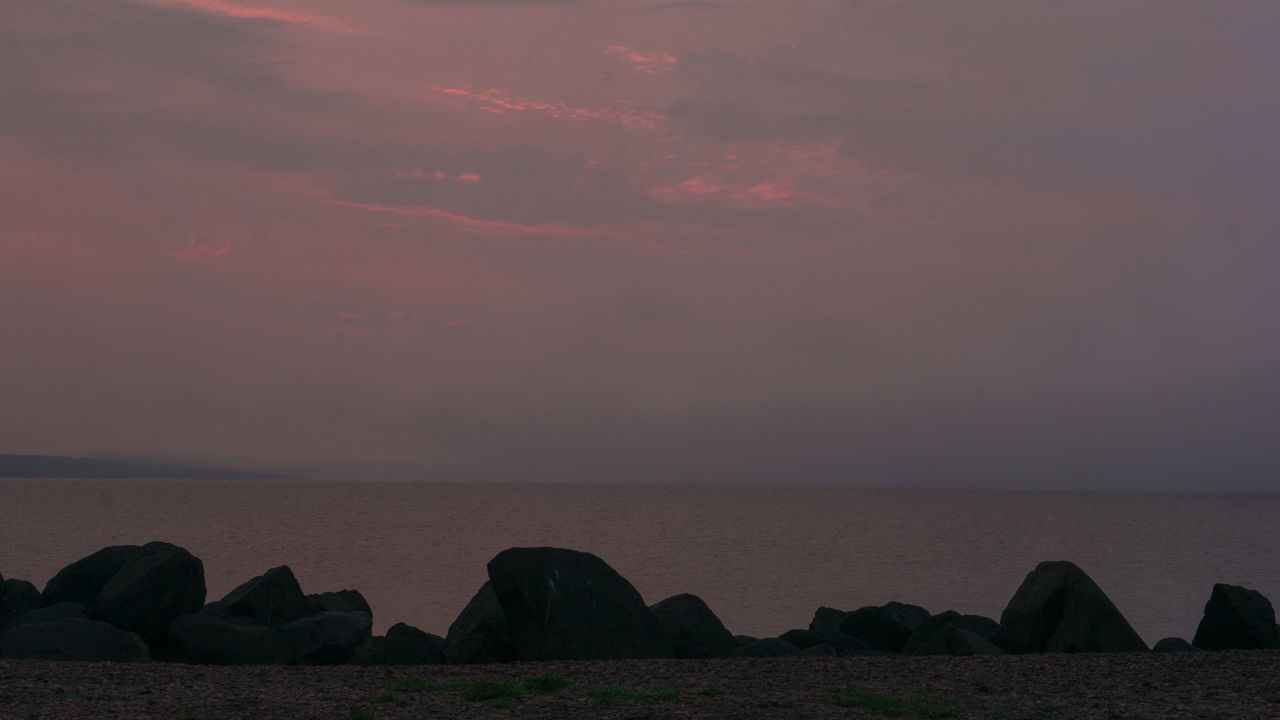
[762, 558]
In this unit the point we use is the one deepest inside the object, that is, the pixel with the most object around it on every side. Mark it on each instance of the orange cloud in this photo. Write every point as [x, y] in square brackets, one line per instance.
[236, 10]
[439, 175]
[648, 63]
[498, 102]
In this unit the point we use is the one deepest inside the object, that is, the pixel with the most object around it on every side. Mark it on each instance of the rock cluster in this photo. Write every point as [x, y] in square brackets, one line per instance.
[133, 603]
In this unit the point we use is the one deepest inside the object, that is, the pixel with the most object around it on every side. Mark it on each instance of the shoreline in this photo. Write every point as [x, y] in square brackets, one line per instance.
[1222, 684]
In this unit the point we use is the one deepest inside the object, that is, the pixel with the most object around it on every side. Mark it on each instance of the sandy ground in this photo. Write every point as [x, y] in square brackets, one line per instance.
[1237, 684]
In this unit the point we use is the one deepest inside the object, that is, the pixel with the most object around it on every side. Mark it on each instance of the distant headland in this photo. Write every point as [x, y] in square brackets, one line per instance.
[56, 466]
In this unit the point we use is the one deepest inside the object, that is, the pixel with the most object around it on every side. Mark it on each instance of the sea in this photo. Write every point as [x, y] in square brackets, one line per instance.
[763, 558]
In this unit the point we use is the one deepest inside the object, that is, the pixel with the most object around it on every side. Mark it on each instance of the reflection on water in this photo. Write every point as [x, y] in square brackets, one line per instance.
[762, 558]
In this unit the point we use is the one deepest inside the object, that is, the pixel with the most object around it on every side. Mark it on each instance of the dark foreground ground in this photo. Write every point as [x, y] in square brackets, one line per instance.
[1236, 684]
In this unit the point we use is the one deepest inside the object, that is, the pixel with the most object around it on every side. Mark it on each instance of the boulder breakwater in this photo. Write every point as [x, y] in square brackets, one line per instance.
[146, 603]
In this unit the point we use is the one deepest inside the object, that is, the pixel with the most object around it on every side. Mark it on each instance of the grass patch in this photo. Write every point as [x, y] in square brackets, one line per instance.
[386, 697]
[492, 690]
[64, 695]
[544, 684]
[610, 694]
[361, 713]
[927, 707]
[708, 691]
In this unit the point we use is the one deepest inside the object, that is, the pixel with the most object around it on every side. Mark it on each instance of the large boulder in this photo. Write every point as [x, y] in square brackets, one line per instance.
[340, 601]
[59, 611]
[407, 645]
[805, 639]
[207, 639]
[328, 638]
[162, 582]
[568, 605]
[82, 580]
[1058, 608]
[1172, 644]
[273, 598]
[827, 620]
[1237, 618]
[17, 598]
[72, 638]
[479, 634]
[886, 627]
[694, 630]
[768, 647]
[938, 636]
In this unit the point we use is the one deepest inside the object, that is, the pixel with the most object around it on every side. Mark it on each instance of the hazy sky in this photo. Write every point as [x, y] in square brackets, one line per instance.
[1005, 243]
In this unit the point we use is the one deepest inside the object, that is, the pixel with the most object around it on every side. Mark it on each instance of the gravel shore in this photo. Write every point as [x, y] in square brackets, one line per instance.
[1232, 684]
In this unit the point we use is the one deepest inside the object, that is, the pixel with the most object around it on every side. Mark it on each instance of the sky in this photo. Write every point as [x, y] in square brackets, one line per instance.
[991, 244]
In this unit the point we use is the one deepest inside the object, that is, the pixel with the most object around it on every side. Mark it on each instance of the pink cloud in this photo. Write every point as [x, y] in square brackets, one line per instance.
[461, 322]
[648, 63]
[350, 315]
[499, 102]
[248, 12]
[201, 247]
[438, 175]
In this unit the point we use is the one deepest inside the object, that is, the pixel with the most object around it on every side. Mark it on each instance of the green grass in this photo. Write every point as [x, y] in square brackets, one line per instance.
[386, 697]
[708, 691]
[544, 684]
[64, 695]
[492, 690]
[927, 707]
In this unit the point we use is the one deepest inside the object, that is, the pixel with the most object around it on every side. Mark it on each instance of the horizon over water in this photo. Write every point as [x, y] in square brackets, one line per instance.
[763, 558]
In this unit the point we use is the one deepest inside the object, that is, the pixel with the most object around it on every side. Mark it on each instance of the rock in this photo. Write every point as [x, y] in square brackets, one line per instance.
[1236, 618]
[162, 582]
[745, 640]
[82, 580]
[479, 635]
[685, 650]
[933, 638]
[1058, 608]
[205, 639]
[1172, 644]
[18, 598]
[407, 645]
[822, 650]
[568, 605]
[60, 611]
[340, 601]
[768, 647]
[328, 638]
[805, 639]
[273, 598]
[827, 620]
[886, 627]
[867, 652]
[686, 619]
[72, 638]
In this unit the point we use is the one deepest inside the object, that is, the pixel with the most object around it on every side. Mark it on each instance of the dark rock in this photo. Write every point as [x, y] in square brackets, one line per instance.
[18, 598]
[1059, 608]
[407, 645]
[822, 650]
[162, 582]
[328, 638]
[867, 652]
[805, 639]
[340, 601]
[768, 647]
[479, 635]
[685, 650]
[60, 611]
[886, 627]
[1236, 618]
[1172, 644]
[745, 640]
[72, 638]
[568, 605]
[273, 598]
[82, 580]
[827, 620]
[932, 637]
[206, 639]
[686, 618]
